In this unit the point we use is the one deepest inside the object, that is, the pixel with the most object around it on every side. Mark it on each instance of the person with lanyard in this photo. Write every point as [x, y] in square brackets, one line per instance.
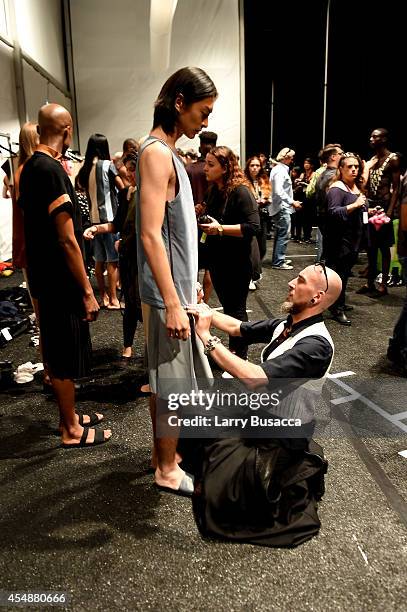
[346, 213]
[233, 223]
[233, 472]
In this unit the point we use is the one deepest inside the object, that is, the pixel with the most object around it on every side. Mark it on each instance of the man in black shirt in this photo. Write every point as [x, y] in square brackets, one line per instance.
[246, 481]
[56, 272]
[312, 292]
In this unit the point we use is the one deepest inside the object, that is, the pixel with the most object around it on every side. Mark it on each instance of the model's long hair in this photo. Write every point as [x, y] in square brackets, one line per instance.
[234, 175]
[193, 84]
[28, 140]
[262, 177]
[97, 147]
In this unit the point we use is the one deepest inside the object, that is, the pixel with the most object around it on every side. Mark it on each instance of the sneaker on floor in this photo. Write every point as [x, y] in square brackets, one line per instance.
[284, 266]
[252, 286]
[288, 261]
[226, 375]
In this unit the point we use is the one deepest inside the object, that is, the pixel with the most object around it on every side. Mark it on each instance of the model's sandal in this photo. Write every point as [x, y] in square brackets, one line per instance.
[99, 439]
[185, 489]
[94, 420]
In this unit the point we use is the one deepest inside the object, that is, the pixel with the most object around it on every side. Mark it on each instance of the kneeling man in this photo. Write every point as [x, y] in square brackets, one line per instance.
[264, 490]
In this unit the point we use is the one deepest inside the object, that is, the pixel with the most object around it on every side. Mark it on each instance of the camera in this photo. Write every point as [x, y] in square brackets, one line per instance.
[204, 219]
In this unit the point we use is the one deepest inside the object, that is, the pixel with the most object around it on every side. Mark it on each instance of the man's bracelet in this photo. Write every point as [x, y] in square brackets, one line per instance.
[211, 343]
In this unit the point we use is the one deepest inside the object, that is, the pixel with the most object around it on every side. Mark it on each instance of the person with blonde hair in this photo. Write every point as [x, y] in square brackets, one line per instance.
[28, 141]
[282, 207]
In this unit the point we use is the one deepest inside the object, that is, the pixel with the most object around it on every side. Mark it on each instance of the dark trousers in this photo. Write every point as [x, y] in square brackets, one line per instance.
[296, 225]
[132, 309]
[397, 351]
[231, 284]
[262, 235]
[343, 266]
[372, 253]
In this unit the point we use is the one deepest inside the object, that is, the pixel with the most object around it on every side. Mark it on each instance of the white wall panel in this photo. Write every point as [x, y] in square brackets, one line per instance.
[8, 103]
[115, 86]
[39, 26]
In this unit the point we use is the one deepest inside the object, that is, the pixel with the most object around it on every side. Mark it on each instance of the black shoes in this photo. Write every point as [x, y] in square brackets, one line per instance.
[340, 317]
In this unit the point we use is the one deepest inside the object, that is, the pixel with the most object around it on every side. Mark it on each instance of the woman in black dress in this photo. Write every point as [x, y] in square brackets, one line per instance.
[124, 222]
[234, 221]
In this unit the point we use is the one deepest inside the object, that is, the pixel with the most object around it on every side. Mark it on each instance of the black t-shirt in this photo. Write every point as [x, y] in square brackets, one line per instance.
[241, 207]
[43, 181]
[308, 358]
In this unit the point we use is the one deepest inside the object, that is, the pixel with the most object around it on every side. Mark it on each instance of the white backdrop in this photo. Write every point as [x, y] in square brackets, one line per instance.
[115, 86]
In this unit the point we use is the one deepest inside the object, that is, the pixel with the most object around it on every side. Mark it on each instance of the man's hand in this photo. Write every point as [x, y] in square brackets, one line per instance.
[177, 322]
[203, 318]
[297, 205]
[90, 232]
[91, 307]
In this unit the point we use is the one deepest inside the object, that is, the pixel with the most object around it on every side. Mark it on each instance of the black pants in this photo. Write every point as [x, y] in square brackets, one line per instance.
[343, 266]
[231, 283]
[262, 235]
[132, 309]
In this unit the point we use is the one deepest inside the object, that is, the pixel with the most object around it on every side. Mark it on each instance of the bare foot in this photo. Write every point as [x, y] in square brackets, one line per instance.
[171, 479]
[145, 388]
[115, 305]
[126, 351]
[105, 301]
[73, 438]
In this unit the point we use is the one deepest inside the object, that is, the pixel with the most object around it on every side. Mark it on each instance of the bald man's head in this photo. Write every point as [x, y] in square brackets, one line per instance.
[314, 290]
[55, 126]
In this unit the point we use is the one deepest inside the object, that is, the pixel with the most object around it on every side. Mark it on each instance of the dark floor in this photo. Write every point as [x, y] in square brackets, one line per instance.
[90, 522]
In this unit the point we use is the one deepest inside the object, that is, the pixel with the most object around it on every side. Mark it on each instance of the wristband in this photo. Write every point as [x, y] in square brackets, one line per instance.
[211, 344]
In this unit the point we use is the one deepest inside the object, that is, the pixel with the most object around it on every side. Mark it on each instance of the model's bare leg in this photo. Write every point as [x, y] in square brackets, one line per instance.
[112, 278]
[207, 286]
[165, 457]
[99, 269]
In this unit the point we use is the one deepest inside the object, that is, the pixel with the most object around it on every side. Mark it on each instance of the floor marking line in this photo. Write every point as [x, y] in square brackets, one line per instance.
[395, 500]
[341, 374]
[364, 556]
[345, 399]
[400, 416]
[354, 395]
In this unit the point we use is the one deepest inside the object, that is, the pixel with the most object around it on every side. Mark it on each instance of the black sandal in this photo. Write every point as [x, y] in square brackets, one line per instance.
[94, 420]
[99, 439]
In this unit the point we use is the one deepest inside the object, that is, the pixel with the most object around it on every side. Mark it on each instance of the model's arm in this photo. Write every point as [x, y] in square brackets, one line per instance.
[74, 259]
[155, 171]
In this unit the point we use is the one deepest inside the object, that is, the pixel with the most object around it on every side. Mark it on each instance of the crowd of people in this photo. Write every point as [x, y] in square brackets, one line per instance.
[153, 217]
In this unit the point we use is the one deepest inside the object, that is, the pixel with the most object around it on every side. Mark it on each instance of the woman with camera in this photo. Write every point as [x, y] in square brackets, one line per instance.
[346, 205]
[234, 220]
